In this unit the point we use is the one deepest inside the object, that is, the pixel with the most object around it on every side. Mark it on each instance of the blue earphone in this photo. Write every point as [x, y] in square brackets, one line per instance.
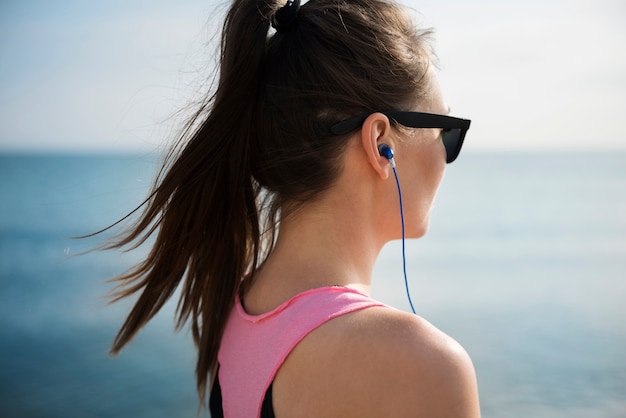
[385, 151]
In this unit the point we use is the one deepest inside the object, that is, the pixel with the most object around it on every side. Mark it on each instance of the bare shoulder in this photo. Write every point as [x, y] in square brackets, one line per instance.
[383, 362]
[419, 369]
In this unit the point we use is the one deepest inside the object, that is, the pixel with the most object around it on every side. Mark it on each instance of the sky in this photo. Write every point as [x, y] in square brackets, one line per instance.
[111, 76]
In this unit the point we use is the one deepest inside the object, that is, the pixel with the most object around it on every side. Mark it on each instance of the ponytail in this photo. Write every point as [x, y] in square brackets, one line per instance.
[204, 205]
[258, 147]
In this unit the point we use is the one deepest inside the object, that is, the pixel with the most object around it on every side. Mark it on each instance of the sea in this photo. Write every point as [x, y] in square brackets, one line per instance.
[524, 264]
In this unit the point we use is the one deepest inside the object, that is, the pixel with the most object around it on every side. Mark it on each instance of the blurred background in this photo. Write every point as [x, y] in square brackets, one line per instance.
[526, 257]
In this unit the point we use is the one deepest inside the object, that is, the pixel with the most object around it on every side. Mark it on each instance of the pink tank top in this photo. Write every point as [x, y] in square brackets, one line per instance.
[254, 347]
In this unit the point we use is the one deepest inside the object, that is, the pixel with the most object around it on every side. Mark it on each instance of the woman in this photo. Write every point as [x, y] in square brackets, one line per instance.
[273, 209]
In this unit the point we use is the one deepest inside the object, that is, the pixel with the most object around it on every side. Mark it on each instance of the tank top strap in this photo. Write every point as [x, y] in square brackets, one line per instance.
[254, 347]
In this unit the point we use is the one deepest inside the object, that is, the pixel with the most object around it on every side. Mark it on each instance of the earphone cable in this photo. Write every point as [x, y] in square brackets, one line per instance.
[406, 281]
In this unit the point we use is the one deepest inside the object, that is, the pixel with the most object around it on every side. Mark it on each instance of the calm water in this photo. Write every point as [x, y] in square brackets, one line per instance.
[525, 265]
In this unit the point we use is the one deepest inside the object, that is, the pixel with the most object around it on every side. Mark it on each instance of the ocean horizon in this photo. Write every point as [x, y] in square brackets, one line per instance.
[524, 264]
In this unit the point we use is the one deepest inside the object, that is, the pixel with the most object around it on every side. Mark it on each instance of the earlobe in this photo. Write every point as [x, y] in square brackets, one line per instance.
[375, 131]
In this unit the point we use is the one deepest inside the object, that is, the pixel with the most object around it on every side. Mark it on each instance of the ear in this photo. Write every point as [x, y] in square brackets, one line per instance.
[376, 130]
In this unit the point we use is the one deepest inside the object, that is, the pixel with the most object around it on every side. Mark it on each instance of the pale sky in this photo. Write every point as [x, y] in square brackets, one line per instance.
[106, 76]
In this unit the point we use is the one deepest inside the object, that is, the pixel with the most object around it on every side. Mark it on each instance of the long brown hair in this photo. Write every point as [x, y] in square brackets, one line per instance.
[258, 147]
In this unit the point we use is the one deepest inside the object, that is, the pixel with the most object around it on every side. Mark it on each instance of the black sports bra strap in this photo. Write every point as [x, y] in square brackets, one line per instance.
[215, 401]
[267, 409]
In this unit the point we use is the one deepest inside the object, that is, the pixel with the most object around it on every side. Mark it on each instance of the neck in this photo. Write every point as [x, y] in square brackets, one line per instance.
[333, 240]
[333, 248]
[330, 243]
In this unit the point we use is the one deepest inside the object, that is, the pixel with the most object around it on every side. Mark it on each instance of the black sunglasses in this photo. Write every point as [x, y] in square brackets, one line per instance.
[453, 134]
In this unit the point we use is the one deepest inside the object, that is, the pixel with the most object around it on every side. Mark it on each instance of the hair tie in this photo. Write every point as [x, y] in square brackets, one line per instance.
[286, 15]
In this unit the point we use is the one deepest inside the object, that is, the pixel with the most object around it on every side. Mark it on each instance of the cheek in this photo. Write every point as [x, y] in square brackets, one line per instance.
[430, 169]
[438, 160]
[428, 175]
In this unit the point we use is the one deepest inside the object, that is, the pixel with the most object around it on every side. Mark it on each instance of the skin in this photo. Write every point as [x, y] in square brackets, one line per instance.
[377, 361]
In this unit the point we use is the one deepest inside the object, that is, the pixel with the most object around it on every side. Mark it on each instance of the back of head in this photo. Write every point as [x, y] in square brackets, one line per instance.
[336, 59]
